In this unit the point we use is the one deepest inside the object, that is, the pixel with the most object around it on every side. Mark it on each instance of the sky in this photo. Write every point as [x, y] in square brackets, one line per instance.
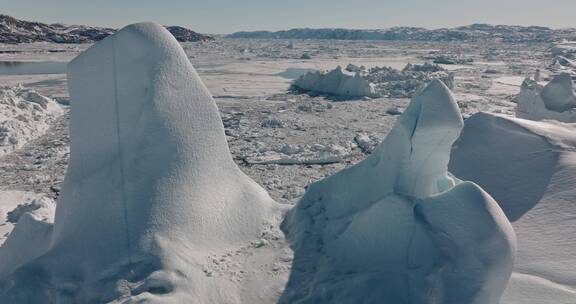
[227, 16]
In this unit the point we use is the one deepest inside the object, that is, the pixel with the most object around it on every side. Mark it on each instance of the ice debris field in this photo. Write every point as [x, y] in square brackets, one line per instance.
[173, 196]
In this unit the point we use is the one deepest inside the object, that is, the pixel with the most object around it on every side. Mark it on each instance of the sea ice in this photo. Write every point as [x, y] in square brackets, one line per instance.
[24, 115]
[296, 154]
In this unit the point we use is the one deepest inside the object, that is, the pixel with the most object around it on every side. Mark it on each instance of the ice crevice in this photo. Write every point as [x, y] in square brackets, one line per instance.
[120, 153]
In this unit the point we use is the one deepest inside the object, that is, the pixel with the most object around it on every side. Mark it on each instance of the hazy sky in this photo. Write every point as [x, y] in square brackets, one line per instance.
[226, 16]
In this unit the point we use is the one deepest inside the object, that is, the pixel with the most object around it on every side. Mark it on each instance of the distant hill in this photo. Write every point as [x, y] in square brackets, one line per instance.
[13, 30]
[474, 32]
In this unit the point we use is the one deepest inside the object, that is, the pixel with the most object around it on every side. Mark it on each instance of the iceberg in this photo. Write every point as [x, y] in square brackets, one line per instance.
[336, 82]
[529, 167]
[397, 227]
[151, 191]
[556, 100]
[359, 82]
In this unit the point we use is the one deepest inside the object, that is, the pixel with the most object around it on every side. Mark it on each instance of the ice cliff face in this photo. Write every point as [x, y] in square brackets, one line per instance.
[151, 189]
[397, 228]
[555, 101]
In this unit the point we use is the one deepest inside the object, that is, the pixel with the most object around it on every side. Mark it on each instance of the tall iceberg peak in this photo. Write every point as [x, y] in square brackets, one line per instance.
[151, 190]
[386, 229]
[430, 125]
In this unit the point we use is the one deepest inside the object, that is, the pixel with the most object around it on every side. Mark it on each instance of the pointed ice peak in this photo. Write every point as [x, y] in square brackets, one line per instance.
[558, 94]
[431, 124]
[432, 107]
[142, 69]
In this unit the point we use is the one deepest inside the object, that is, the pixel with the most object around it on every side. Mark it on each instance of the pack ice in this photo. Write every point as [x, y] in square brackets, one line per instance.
[24, 115]
[150, 195]
[397, 228]
[556, 100]
[529, 167]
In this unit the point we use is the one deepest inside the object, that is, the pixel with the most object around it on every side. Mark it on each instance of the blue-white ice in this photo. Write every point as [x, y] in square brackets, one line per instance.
[397, 228]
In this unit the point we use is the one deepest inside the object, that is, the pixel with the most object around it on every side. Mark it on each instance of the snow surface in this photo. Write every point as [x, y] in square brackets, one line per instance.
[529, 167]
[397, 228]
[556, 100]
[14, 204]
[151, 193]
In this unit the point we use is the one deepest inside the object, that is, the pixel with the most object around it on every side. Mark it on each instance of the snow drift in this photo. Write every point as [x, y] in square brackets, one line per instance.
[151, 189]
[554, 101]
[529, 167]
[397, 228]
[336, 82]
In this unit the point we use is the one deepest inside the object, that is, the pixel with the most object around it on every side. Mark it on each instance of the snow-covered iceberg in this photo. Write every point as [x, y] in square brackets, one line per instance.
[529, 167]
[397, 228]
[151, 194]
[336, 82]
[556, 100]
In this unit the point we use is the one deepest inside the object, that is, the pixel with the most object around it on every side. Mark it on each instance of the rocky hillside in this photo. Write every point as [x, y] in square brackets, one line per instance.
[474, 32]
[13, 30]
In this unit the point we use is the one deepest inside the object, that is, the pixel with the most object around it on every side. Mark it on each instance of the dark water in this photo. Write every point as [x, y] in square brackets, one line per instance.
[32, 67]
